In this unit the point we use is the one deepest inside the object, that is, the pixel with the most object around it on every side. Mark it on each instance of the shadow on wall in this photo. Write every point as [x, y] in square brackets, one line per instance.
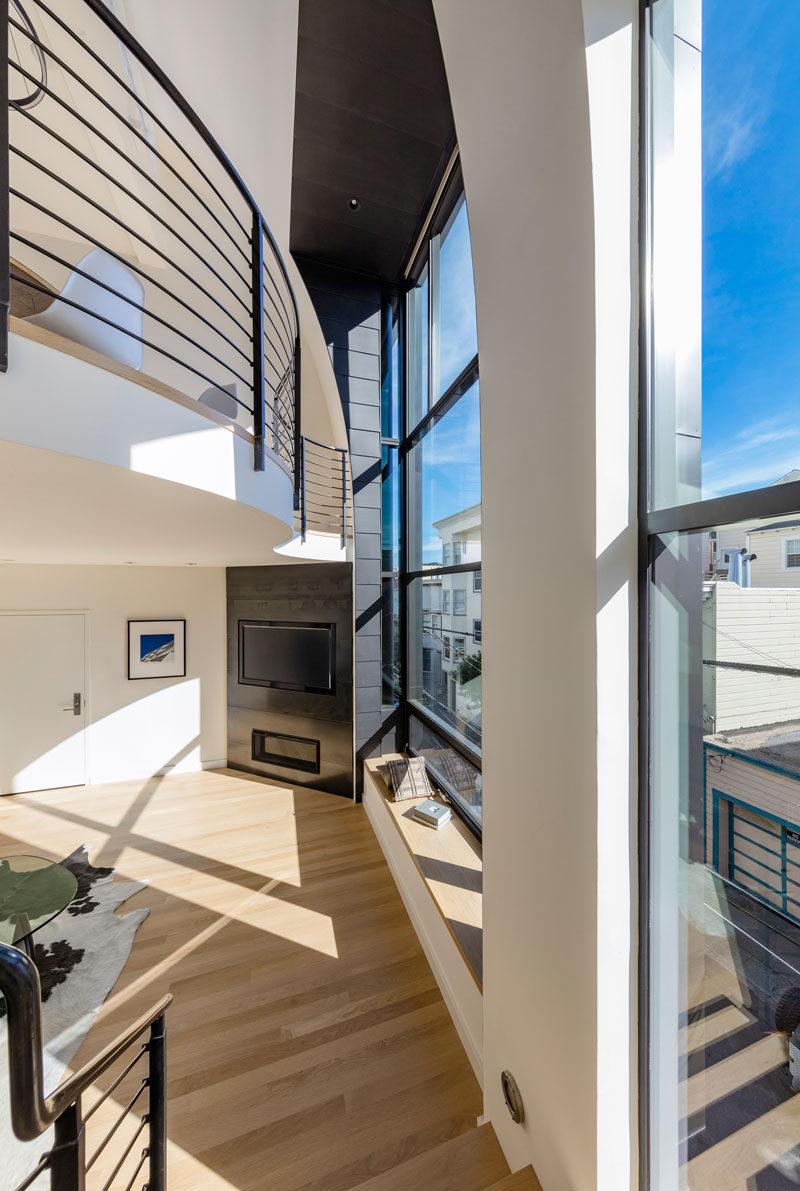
[156, 733]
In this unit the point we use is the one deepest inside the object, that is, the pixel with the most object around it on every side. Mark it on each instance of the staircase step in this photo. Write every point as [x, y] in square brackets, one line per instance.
[470, 1162]
[523, 1180]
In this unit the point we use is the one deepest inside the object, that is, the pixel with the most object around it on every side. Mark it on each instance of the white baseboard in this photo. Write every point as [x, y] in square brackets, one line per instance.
[218, 764]
[456, 983]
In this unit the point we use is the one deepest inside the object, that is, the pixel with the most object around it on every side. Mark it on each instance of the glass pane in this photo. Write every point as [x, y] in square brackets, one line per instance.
[725, 247]
[457, 329]
[460, 780]
[390, 640]
[391, 379]
[444, 479]
[725, 859]
[442, 614]
[390, 509]
[417, 330]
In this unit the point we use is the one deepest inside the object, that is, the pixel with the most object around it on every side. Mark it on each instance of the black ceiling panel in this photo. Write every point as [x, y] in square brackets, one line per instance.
[372, 121]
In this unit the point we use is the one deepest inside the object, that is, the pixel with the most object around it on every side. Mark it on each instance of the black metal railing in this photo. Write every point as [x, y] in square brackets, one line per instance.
[32, 1113]
[323, 489]
[123, 223]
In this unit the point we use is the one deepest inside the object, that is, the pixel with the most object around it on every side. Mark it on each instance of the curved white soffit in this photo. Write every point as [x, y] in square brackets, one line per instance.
[63, 404]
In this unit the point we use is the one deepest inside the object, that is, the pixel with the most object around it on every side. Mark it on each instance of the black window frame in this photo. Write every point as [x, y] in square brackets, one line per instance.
[451, 194]
[700, 516]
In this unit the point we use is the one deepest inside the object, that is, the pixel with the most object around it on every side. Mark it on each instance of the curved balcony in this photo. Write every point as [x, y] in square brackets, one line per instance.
[136, 248]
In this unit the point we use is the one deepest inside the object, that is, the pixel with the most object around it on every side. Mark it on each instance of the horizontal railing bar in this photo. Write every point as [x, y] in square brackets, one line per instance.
[332, 453]
[145, 1155]
[277, 429]
[325, 490]
[287, 362]
[144, 1084]
[107, 141]
[125, 37]
[125, 1153]
[130, 265]
[140, 201]
[131, 232]
[139, 338]
[44, 1162]
[316, 443]
[267, 291]
[287, 347]
[285, 404]
[127, 1070]
[136, 305]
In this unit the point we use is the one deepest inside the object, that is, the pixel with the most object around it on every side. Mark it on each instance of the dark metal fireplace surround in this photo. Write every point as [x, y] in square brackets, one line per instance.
[299, 733]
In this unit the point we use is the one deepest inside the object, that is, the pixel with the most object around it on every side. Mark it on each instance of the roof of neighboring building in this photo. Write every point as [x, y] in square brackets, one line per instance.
[789, 478]
[775, 525]
[771, 744]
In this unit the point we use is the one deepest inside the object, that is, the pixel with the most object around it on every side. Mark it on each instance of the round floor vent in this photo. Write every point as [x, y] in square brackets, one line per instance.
[512, 1097]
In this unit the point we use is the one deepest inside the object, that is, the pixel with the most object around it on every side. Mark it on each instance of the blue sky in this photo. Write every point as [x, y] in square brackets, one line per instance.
[751, 244]
[451, 451]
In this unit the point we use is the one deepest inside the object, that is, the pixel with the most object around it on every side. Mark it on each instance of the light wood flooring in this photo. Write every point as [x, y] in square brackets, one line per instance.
[309, 1048]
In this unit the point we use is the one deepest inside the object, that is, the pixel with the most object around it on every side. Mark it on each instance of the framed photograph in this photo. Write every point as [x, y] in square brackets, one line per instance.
[156, 649]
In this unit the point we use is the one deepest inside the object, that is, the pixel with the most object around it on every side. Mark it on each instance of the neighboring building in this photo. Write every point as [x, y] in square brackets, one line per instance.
[452, 620]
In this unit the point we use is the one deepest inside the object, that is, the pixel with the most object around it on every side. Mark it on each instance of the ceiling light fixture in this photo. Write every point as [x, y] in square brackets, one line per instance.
[354, 204]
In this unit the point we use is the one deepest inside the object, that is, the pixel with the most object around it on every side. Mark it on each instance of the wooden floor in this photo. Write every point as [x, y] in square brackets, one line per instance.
[309, 1046]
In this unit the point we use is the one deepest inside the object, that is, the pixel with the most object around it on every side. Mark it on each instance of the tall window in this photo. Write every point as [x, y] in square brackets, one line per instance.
[721, 762]
[438, 532]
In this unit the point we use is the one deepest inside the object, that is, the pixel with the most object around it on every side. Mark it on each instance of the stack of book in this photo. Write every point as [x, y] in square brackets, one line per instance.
[432, 813]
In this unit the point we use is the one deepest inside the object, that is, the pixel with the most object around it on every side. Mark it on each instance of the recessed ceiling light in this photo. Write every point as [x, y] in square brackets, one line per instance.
[130, 564]
[354, 203]
[190, 564]
[8, 560]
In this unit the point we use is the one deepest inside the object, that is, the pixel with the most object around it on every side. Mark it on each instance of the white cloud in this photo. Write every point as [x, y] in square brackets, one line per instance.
[756, 456]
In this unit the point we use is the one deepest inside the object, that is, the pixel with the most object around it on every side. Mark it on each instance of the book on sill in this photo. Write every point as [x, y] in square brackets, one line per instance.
[432, 813]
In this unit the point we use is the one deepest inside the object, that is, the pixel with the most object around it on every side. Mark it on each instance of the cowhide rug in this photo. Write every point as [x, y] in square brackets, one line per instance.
[80, 956]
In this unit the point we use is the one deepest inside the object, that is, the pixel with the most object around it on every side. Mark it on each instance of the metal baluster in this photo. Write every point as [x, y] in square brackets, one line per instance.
[298, 463]
[303, 490]
[157, 1113]
[344, 498]
[68, 1157]
[259, 397]
[5, 252]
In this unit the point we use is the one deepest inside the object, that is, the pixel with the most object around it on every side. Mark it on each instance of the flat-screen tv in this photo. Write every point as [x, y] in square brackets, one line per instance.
[290, 656]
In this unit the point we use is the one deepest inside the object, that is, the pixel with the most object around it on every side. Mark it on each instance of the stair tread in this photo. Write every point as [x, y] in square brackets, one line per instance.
[471, 1161]
[521, 1180]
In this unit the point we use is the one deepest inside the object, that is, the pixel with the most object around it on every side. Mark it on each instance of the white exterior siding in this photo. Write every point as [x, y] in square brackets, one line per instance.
[756, 626]
[769, 568]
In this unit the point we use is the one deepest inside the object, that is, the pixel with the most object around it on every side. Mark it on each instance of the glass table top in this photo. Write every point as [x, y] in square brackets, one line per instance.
[32, 891]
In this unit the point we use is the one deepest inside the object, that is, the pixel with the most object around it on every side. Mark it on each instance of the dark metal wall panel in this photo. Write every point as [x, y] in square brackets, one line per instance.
[311, 593]
[348, 306]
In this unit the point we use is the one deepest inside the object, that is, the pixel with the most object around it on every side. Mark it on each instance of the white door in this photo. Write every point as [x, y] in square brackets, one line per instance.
[42, 715]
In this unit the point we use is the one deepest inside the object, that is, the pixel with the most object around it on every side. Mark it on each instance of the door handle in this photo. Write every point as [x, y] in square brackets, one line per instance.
[75, 705]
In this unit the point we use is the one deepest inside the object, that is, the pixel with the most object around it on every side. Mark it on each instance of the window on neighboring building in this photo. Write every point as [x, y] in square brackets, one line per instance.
[427, 660]
[476, 631]
[447, 648]
[446, 602]
[459, 648]
[476, 580]
[446, 554]
[457, 551]
[459, 602]
[793, 552]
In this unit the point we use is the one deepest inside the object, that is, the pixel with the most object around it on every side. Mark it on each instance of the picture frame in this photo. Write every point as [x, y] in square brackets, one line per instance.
[156, 649]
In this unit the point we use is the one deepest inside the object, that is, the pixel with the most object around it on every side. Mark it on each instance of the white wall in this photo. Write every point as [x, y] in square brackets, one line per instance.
[611, 55]
[522, 121]
[137, 729]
